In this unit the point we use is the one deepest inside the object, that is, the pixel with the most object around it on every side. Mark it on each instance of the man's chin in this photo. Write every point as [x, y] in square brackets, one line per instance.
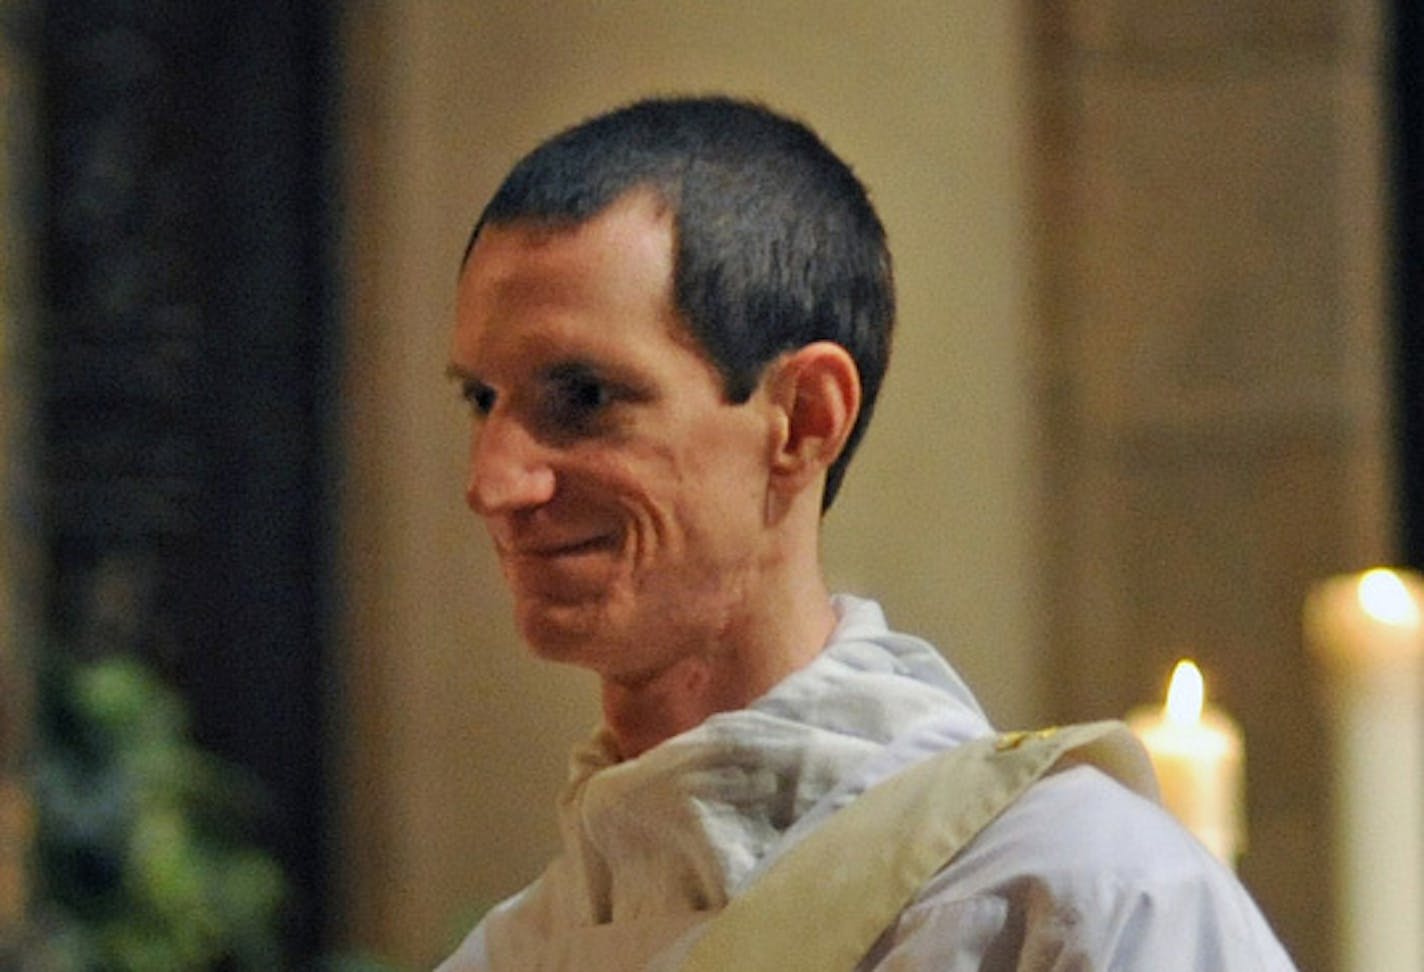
[562, 632]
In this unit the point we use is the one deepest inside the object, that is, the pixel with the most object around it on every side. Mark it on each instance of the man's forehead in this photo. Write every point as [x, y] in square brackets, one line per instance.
[533, 286]
[630, 242]
[644, 203]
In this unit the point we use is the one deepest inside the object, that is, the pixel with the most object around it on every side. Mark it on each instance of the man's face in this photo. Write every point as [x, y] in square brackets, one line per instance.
[625, 496]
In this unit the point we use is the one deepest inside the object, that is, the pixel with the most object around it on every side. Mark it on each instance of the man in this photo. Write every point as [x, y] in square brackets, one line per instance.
[672, 322]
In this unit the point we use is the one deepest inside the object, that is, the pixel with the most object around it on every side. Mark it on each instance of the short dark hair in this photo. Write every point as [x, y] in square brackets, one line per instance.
[777, 244]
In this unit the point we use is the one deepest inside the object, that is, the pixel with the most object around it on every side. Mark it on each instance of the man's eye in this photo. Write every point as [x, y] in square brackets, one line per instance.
[578, 399]
[479, 396]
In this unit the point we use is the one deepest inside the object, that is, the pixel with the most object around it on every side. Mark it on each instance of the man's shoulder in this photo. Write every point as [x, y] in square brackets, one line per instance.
[1081, 865]
[1082, 819]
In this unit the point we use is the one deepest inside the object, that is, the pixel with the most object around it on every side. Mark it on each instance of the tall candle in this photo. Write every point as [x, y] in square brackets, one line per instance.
[1196, 752]
[1367, 629]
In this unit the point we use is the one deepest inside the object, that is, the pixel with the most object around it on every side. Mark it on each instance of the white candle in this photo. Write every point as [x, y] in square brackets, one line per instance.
[1367, 628]
[1196, 752]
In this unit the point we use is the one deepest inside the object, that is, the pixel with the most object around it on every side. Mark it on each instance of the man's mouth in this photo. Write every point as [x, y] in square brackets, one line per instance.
[561, 569]
[556, 549]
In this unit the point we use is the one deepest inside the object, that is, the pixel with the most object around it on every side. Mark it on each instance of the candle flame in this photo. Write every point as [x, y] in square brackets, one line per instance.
[1185, 695]
[1384, 597]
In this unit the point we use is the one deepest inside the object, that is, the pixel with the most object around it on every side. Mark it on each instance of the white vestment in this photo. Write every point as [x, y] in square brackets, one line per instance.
[1079, 873]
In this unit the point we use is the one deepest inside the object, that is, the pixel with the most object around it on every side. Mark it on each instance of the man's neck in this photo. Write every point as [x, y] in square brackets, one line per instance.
[643, 712]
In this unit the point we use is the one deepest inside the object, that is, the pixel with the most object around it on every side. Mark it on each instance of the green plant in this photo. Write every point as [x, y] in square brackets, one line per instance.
[143, 859]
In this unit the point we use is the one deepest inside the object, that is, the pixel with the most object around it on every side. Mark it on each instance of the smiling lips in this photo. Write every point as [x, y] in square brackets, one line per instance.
[559, 569]
[557, 549]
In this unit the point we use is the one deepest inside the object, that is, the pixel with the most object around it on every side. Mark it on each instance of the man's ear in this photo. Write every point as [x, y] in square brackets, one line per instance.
[816, 389]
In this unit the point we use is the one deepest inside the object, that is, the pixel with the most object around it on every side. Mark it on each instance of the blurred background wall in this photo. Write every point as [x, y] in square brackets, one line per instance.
[1139, 400]
[1138, 403]
[1145, 388]
[1215, 308]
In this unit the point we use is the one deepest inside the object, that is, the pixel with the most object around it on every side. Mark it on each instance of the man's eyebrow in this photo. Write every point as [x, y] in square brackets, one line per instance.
[456, 373]
[577, 368]
[572, 369]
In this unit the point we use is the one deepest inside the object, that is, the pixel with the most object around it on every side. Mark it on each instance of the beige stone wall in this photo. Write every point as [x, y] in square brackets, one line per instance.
[1211, 181]
[457, 741]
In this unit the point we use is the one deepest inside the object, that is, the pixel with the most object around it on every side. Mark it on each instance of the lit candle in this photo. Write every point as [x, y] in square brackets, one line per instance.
[1367, 628]
[1196, 753]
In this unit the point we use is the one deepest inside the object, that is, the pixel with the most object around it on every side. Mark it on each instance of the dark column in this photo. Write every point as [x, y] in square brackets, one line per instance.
[1408, 68]
[185, 362]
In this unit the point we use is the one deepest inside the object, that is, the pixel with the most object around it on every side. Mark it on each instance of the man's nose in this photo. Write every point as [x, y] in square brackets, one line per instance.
[509, 468]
